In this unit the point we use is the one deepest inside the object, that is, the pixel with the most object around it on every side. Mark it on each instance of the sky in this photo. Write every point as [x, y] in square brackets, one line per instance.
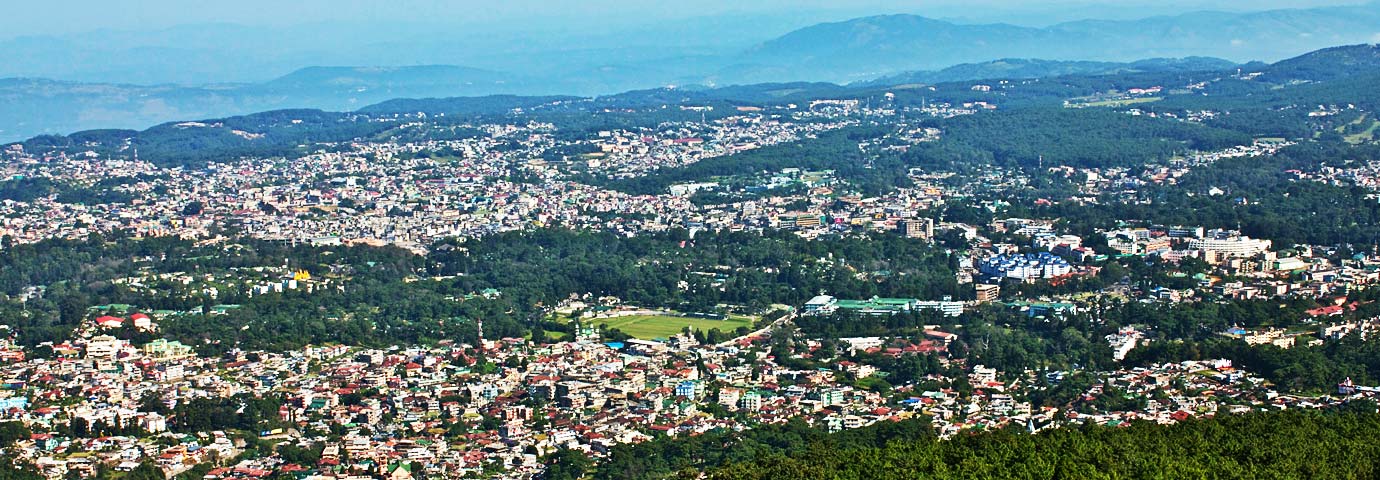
[74, 16]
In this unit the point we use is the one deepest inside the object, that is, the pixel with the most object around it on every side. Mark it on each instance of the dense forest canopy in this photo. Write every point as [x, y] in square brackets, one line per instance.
[1293, 444]
[1289, 444]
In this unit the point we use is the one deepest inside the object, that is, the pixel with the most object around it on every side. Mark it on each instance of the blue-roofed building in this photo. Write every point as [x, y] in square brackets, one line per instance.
[14, 402]
[1025, 267]
[686, 389]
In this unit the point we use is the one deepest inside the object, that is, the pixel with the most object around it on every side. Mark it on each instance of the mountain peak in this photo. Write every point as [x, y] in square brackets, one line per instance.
[874, 46]
[1328, 63]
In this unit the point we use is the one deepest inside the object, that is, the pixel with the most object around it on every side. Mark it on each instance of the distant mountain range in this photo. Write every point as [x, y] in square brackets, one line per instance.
[868, 47]
[877, 50]
[1329, 76]
[1017, 68]
[33, 106]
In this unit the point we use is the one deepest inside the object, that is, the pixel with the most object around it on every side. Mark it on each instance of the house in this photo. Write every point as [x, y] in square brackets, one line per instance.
[400, 471]
[104, 346]
[164, 349]
[686, 389]
[142, 322]
[107, 321]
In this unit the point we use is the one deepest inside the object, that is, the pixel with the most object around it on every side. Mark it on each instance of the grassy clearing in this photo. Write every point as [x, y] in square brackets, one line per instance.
[551, 335]
[1364, 136]
[648, 327]
[1117, 103]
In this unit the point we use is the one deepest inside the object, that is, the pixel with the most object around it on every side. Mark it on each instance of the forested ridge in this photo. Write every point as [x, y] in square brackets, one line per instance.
[544, 266]
[1292, 444]
[1263, 196]
[1288, 444]
[1083, 138]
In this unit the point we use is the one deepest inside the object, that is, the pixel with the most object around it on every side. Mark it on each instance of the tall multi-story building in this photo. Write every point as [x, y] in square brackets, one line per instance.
[987, 292]
[922, 228]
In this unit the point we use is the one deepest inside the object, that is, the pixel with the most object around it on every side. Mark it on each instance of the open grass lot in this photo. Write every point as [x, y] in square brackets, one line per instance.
[648, 327]
[551, 335]
[1117, 103]
[1365, 135]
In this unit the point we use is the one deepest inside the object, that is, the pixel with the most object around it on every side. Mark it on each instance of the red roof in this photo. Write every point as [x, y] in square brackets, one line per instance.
[107, 319]
[1328, 310]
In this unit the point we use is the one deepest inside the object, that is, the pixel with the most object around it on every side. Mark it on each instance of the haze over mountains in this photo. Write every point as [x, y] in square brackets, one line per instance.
[1035, 68]
[102, 80]
[871, 46]
[1331, 76]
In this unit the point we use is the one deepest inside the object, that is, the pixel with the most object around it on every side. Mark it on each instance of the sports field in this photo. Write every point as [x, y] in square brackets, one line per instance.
[648, 327]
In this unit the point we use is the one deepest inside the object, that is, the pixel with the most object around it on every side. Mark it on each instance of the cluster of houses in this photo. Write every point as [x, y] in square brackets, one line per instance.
[411, 194]
[453, 410]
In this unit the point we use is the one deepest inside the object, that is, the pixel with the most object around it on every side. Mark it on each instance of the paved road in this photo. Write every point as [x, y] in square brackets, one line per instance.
[778, 322]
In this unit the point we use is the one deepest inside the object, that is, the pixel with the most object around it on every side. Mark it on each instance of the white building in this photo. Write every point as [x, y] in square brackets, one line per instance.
[104, 346]
[1230, 246]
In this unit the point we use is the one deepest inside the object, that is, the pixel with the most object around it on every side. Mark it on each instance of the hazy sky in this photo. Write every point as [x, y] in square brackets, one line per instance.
[26, 17]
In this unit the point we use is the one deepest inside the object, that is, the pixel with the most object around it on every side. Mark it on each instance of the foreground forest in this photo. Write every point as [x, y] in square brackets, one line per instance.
[1289, 444]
